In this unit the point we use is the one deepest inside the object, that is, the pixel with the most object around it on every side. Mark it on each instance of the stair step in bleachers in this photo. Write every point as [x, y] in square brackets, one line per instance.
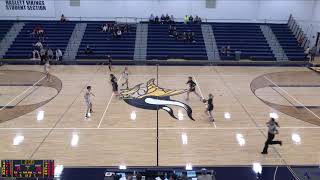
[57, 35]
[244, 37]
[4, 28]
[102, 43]
[162, 46]
[288, 42]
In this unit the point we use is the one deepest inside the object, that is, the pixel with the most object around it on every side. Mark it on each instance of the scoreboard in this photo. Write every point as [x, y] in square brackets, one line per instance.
[27, 168]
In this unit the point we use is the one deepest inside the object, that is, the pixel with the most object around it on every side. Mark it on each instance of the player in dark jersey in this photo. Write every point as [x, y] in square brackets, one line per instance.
[209, 108]
[114, 83]
[192, 88]
[109, 61]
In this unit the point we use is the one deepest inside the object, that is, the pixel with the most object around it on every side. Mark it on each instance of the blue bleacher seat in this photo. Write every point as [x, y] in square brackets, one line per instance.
[288, 42]
[57, 35]
[244, 37]
[102, 43]
[162, 46]
[4, 28]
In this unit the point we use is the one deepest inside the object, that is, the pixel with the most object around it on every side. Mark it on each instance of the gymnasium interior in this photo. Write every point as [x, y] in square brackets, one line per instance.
[258, 61]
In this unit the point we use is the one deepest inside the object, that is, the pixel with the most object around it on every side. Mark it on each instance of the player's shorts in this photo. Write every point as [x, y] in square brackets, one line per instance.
[114, 87]
[88, 102]
[210, 108]
[192, 89]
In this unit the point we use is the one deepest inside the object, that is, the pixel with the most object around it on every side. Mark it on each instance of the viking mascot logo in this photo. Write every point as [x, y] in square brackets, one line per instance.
[150, 96]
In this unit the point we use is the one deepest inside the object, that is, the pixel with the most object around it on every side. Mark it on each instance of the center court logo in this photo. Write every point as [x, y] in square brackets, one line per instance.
[150, 96]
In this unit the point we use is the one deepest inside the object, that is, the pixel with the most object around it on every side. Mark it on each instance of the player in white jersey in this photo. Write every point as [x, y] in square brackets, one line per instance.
[47, 70]
[125, 75]
[87, 98]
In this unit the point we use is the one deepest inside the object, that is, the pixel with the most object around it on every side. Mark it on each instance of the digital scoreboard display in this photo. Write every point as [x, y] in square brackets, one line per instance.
[27, 168]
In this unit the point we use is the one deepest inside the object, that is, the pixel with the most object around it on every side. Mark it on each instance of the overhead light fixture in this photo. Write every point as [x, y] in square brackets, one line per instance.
[40, 115]
[75, 140]
[227, 115]
[240, 139]
[18, 140]
[180, 115]
[257, 168]
[58, 171]
[296, 138]
[189, 166]
[133, 115]
[274, 115]
[184, 138]
[122, 166]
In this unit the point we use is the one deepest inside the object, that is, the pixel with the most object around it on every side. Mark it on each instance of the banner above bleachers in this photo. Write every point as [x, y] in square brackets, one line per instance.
[27, 8]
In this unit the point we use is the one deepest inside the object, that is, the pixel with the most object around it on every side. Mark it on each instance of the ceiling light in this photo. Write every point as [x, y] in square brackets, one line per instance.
[257, 168]
[40, 115]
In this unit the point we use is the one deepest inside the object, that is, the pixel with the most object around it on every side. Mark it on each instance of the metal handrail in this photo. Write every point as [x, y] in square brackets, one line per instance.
[140, 19]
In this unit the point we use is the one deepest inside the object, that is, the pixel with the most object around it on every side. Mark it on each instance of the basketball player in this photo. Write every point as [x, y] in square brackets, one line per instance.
[47, 71]
[272, 131]
[125, 75]
[87, 98]
[192, 88]
[114, 83]
[209, 108]
[109, 59]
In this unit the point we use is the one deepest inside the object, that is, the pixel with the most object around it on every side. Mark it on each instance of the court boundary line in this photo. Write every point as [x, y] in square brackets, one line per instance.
[33, 91]
[107, 107]
[186, 75]
[274, 89]
[275, 173]
[62, 115]
[164, 128]
[292, 97]
[22, 93]
[198, 86]
[256, 124]
[286, 92]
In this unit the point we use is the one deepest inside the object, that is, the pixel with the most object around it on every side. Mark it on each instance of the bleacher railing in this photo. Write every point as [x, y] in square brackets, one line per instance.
[139, 19]
[298, 32]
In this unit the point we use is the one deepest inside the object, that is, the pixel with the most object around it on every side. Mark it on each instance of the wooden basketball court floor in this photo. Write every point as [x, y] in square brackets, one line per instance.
[40, 120]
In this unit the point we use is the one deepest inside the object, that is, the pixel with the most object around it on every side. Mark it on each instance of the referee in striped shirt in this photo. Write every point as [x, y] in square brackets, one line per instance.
[272, 131]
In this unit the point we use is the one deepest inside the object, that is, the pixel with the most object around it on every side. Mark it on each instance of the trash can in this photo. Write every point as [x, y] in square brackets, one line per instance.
[237, 55]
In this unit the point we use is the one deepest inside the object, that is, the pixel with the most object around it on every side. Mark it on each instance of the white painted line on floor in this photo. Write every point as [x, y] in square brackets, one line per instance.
[198, 85]
[128, 128]
[107, 107]
[291, 97]
[214, 124]
[22, 93]
[186, 75]
[275, 173]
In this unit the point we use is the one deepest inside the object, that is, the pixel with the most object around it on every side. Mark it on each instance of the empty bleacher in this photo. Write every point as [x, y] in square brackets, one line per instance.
[288, 42]
[57, 35]
[161, 46]
[244, 37]
[102, 43]
[4, 28]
